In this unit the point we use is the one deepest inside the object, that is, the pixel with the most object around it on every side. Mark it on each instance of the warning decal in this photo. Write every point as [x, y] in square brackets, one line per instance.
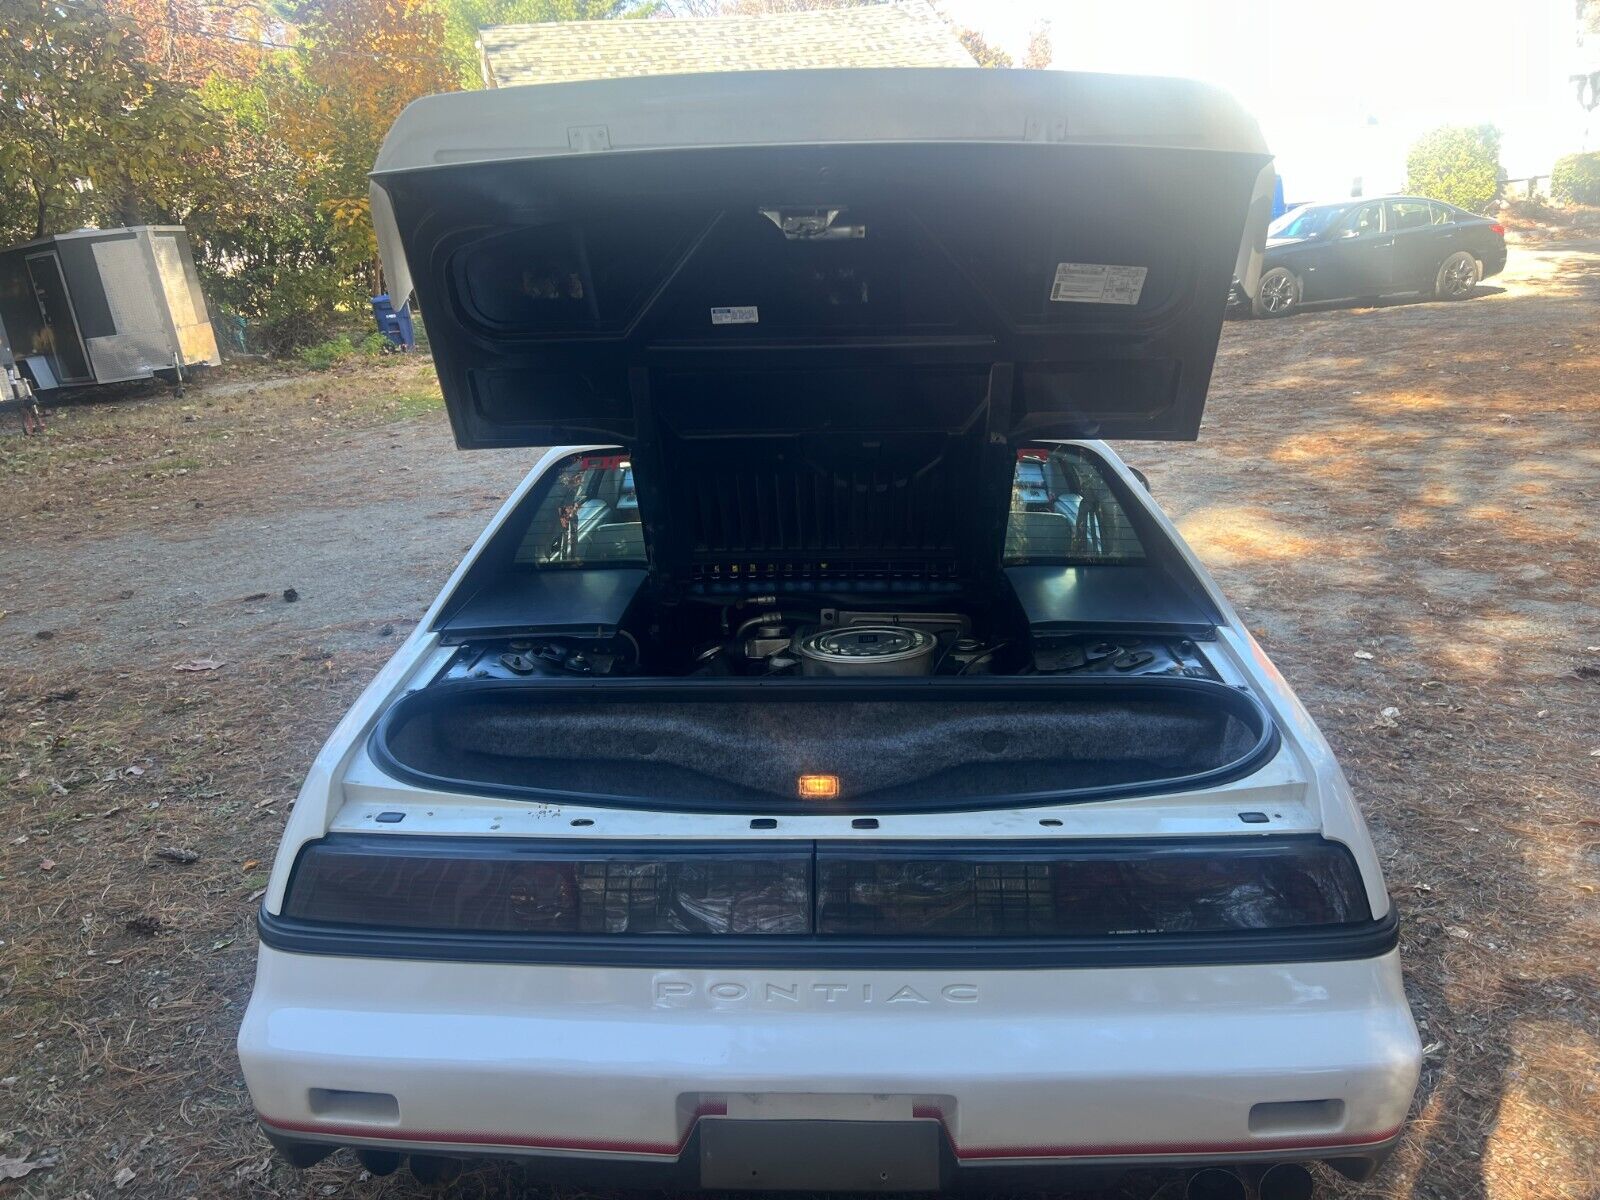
[1097, 283]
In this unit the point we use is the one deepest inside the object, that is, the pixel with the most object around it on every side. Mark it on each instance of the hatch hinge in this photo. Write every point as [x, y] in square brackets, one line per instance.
[1044, 129]
[586, 139]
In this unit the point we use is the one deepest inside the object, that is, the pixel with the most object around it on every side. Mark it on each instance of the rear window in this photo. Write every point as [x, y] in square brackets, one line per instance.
[1064, 511]
[589, 516]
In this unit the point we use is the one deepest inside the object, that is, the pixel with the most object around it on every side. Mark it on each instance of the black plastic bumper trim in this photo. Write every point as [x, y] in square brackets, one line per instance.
[1368, 939]
[683, 1171]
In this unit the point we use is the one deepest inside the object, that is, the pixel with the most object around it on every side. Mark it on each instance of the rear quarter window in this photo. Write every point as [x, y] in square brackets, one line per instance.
[1064, 510]
[588, 517]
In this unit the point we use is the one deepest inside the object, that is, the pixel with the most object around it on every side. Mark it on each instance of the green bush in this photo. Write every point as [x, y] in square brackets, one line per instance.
[1575, 179]
[1458, 164]
[325, 354]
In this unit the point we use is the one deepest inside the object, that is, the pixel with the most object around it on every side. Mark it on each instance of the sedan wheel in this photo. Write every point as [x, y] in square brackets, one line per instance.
[1458, 276]
[1278, 294]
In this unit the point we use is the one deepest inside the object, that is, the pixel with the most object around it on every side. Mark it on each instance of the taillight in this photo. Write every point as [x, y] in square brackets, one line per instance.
[852, 890]
[1091, 890]
[1498, 229]
[512, 886]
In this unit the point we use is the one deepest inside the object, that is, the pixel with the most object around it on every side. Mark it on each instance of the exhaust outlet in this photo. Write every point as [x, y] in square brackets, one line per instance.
[1214, 1184]
[1287, 1181]
[378, 1162]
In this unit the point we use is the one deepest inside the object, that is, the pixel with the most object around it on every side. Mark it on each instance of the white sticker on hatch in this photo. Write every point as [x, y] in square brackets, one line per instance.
[744, 314]
[1097, 283]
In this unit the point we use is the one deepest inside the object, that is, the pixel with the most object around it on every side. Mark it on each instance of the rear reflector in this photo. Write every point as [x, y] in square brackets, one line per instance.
[830, 890]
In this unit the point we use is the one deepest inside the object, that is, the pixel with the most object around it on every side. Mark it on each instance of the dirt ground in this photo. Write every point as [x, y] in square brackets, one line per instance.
[1403, 500]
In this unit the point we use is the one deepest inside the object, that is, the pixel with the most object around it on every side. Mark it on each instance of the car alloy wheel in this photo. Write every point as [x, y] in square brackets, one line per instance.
[1458, 275]
[1278, 294]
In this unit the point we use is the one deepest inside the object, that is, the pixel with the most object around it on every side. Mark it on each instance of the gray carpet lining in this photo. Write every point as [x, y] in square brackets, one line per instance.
[880, 748]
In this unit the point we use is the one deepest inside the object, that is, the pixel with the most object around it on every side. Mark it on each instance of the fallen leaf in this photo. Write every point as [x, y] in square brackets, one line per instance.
[221, 943]
[255, 895]
[178, 854]
[199, 664]
[135, 771]
[47, 864]
[123, 1178]
[1364, 655]
[250, 862]
[16, 1168]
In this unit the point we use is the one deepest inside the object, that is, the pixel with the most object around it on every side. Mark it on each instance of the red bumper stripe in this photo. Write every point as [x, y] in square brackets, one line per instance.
[1343, 1141]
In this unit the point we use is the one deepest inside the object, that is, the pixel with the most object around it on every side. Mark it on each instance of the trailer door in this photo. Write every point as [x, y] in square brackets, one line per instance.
[60, 322]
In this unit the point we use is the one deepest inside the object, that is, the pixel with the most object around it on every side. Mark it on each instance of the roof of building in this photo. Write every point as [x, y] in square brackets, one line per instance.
[905, 33]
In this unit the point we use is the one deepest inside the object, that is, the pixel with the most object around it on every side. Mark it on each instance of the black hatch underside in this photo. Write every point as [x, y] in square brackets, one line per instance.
[826, 352]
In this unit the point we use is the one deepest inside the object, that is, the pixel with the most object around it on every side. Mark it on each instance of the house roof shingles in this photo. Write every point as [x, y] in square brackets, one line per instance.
[906, 33]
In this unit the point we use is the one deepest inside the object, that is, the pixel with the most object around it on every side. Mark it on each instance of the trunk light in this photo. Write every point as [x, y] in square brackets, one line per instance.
[819, 787]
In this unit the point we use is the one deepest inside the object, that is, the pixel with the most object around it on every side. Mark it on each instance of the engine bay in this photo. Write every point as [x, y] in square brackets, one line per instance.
[768, 641]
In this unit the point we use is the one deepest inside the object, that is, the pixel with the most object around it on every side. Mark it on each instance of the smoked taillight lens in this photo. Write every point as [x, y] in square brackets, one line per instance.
[1089, 890]
[828, 890]
[515, 886]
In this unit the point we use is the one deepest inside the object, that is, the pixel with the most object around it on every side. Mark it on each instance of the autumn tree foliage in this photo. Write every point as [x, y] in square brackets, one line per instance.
[1040, 51]
[254, 123]
[1036, 57]
[362, 61]
[189, 42]
[86, 124]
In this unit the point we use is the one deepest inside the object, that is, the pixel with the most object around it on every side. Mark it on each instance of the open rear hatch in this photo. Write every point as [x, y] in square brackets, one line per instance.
[860, 284]
[823, 313]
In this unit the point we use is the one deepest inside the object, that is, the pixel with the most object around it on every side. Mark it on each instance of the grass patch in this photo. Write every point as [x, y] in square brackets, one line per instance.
[413, 404]
[343, 348]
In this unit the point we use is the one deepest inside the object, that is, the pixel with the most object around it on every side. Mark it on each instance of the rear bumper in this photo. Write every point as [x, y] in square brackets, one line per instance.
[592, 1068]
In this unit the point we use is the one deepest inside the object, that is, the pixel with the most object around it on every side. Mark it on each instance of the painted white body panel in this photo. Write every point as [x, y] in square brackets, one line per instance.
[1101, 1063]
[1018, 1064]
